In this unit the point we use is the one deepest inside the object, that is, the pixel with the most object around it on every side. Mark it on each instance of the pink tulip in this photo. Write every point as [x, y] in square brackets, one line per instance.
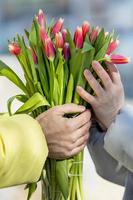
[43, 34]
[66, 51]
[64, 33]
[112, 46]
[49, 49]
[78, 38]
[57, 26]
[118, 59]
[94, 34]
[41, 18]
[14, 49]
[85, 28]
[59, 40]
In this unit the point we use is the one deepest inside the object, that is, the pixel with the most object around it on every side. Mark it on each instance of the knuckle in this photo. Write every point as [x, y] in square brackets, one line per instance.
[68, 125]
[55, 108]
[107, 79]
[73, 138]
[69, 148]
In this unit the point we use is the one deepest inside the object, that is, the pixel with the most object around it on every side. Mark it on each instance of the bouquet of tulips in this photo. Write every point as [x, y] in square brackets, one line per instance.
[53, 61]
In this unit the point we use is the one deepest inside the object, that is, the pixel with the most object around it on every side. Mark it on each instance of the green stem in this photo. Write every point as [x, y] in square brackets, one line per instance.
[52, 70]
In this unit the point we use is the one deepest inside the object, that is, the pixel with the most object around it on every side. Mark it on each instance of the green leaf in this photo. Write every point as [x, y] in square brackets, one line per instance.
[87, 47]
[36, 101]
[62, 177]
[32, 35]
[34, 75]
[69, 39]
[12, 76]
[56, 91]
[32, 188]
[60, 77]
[22, 98]
[100, 40]
[101, 53]
[27, 33]
[86, 64]
[42, 69]
[70, 87]
[75, 64]
[24, 60]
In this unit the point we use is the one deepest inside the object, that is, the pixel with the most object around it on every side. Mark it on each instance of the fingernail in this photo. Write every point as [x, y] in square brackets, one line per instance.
[78, 88]
[86, 72]
[94, 63]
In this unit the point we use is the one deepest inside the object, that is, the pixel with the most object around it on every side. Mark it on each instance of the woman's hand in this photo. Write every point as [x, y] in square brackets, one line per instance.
[65, 136]
[109, 98]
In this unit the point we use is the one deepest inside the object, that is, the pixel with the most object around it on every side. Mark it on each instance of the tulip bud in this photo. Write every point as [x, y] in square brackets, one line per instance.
[49, 49]
[64, 33]
[57, 26]
[43, 34]
[41, 18]
[112, 46]
[59, 40]
[78, 38]
[118, 59]
[85, 28]
[14, 49]
[66, 51]
[94, 34]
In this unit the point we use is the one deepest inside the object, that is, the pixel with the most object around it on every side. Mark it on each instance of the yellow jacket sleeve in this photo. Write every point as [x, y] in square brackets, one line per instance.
[23, 150]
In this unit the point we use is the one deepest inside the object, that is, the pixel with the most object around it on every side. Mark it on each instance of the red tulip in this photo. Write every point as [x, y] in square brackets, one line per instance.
[59, 40]
[78, 38]
[112, 46]
[43, 34]
[66, 51]
[94, 34]
[49, 49]
[118, 59]
[64, 33]
[85, 28]
[14, 49]
[57, 26]
[41, 18]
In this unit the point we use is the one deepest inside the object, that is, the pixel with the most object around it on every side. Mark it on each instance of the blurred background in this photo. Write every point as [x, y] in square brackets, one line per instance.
[16, 15]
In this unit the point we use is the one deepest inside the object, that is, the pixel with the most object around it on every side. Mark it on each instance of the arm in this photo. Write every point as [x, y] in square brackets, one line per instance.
[119, 138]
[107, 103]
[106, 166]
[23, 150]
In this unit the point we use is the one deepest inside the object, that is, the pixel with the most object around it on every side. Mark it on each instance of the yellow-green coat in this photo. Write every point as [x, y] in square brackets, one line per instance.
[23, 150]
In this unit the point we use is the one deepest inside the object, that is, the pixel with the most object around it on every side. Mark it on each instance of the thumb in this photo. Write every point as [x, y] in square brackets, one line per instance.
[70, 108]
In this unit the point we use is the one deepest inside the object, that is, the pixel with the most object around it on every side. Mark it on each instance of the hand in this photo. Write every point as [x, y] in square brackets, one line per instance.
[109, 99]
[65, 136]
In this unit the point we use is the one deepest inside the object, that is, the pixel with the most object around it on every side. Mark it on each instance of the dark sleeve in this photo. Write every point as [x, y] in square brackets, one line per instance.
[106, 166]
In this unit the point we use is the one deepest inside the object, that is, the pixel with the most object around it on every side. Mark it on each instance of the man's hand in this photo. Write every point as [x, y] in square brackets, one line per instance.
[109, 99]
[65, 136]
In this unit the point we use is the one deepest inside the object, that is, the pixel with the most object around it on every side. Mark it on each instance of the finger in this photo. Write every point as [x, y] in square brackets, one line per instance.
[114, 72]
[83, 135]
[103, 75]
[93, 83]
[80, 120]
[69, 108]
[78, 149]
[79, 133]
[85, 95]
